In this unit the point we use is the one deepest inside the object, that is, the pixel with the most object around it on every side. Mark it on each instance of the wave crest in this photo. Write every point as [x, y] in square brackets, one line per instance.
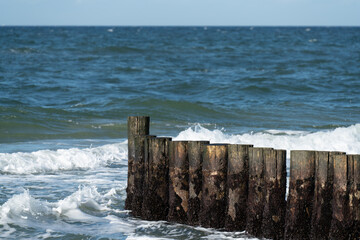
[50, 161]
[81, 206]
[345, 139]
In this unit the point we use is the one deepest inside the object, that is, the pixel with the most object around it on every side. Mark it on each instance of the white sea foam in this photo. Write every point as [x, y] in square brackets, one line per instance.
[345, 139]
[85, 197]
[44, 161]
[89, 206]
[86, 206]
[24, 209]
[144, 238]
[23, 206]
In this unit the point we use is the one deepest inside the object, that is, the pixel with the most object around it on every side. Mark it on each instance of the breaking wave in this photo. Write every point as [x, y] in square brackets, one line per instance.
[345, 139]
[50, 161]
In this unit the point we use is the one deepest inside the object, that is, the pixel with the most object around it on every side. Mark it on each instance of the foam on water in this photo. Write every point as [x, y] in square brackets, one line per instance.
[96, 207]
[49, 161]
[88, 211]
[82, 206]
[345, 139]
[85, 197]
[23, 206]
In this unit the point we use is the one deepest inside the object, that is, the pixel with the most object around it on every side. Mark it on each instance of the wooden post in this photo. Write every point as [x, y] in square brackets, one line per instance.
[195, 154]
[256, 194]
[213, 202]
[178, 182]
[275, 190]
[138, 174]
[146, 184]
[301, 191]
[137, 125]
[237, 187]
[156, 194]
[322, 209]
[340, 224]
[355, 196]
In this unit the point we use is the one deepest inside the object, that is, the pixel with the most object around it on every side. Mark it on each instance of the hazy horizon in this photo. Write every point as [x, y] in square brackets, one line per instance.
[179, 13]
[201, 26]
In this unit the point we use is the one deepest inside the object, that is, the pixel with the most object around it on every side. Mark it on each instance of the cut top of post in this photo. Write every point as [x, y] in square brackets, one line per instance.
[217, 155]
[178, 151]
[302, 164]
[238, 157]
[138, 125]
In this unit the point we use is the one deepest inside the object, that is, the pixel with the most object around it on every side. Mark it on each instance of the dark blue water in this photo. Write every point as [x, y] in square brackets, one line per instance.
[67, 92]
[82, 82]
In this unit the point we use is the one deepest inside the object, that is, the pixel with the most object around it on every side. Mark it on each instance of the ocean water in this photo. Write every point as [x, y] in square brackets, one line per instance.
[65, 94]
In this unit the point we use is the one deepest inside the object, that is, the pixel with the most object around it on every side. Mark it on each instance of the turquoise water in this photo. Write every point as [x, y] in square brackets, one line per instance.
[65, 94]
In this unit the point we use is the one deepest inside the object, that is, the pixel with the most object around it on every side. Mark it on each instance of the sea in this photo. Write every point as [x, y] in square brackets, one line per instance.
[66, 93]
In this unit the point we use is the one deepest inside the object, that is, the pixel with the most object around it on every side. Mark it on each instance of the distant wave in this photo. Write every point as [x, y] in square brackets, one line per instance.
[128, 69]
[23, 50]
[119, 49]
[345, 139]
[50, 161]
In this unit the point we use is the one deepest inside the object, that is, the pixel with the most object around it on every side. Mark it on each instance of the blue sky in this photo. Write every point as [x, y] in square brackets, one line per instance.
[181, 12]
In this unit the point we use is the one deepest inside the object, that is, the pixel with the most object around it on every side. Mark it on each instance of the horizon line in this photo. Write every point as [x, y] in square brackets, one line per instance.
[110, 25]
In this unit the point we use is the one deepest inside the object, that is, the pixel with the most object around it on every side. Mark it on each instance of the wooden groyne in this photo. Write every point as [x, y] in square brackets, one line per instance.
[236, 187]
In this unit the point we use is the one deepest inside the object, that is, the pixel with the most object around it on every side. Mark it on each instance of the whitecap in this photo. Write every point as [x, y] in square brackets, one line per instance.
[49, 161]
[81, 206]
[345, 139]
[23, 206]
[85, 197]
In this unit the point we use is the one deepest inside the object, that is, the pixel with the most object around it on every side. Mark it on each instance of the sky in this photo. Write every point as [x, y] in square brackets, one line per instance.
[181, 12]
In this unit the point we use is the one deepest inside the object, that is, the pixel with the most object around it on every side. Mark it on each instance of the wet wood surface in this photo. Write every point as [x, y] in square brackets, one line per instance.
[137, 125]
[301, 192]
[213, 202]
[195, 155]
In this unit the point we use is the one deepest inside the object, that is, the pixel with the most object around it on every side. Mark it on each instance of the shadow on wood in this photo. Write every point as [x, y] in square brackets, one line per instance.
[137, 125]
[195, 155]
[301, 192]
[213, 202]
[237, 186]
[156, 192]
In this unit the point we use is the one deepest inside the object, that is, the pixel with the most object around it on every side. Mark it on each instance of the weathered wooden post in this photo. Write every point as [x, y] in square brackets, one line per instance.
[137, 125]
[237, 186]
[322, 209]
[275, 190]
[340, 223]
[301, 192]
[213, 202]
[178, 182]
[195, 155]
[138, 174]
[146, 183]
[156, 193]
[256, 193]
[355, 196]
